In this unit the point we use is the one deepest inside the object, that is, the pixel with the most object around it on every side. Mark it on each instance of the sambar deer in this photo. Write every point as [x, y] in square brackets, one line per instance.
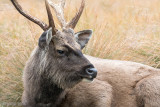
[53, 74]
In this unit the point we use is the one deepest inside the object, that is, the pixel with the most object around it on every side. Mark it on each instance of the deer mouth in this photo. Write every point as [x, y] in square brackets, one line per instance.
[87, 78]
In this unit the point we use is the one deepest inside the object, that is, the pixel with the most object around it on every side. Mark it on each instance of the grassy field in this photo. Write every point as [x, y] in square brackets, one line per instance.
[123, 30]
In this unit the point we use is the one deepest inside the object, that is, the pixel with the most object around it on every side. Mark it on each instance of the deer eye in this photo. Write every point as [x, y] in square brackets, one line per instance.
[60, 52]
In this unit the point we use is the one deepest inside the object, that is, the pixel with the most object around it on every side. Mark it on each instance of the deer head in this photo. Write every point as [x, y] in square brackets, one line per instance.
[64, 62]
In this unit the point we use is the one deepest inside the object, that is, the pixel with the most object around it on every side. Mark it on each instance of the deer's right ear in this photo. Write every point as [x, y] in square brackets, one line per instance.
[45, 38]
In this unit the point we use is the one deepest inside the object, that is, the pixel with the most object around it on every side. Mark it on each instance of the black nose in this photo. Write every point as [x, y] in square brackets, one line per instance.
[91, 72]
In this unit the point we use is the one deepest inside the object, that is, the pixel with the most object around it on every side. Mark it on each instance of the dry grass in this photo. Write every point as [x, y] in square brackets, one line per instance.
[123, 30]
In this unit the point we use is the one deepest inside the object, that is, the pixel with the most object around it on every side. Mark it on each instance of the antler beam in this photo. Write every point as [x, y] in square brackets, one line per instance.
[59, 9]
[50, 18]
[43, 25]
[75, 19]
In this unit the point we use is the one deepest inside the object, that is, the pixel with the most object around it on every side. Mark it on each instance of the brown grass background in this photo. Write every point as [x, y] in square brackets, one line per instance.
[123, 30]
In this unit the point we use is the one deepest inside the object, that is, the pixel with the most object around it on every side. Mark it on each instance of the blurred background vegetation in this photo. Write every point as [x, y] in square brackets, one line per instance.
[123, 30]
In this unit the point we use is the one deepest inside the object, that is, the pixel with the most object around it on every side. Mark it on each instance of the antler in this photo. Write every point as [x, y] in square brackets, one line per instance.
[75, 19]
[43, 25]
[50, 18]
[59, 9]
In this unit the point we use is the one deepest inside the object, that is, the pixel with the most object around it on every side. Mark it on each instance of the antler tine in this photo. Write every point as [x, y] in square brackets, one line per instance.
[59, 9]
[43, 25]
[63, 3]
[50, 18]
[75, 19]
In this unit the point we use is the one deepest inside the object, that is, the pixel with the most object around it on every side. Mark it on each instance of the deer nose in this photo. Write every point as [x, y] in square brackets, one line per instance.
[91, 72]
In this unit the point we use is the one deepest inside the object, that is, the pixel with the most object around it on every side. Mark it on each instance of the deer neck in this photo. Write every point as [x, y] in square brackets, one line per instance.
[48, 92]
[51, 93]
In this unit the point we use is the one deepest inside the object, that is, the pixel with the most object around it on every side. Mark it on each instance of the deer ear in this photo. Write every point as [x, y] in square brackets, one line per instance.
[83, 37]
[45, 38]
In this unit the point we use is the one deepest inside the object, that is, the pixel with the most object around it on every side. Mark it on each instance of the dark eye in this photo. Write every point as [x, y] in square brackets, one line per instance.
[61, 52]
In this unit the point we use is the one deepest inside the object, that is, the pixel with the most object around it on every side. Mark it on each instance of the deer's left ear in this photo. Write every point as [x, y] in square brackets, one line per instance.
[83, 37]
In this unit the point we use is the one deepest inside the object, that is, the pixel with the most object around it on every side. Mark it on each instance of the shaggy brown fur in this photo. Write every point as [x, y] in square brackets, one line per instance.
[133, 84]
[94, 94]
